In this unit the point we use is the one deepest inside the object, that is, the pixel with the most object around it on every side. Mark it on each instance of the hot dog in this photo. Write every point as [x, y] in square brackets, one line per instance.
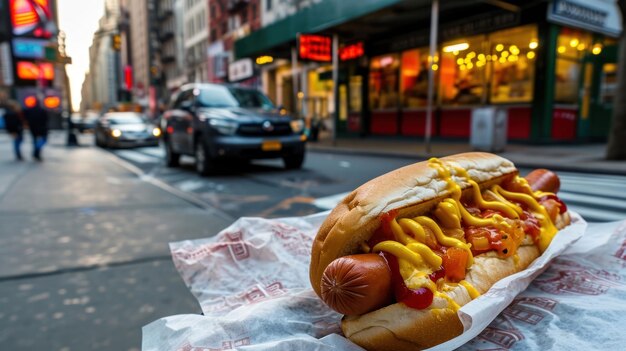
[355, 285]
[404, 251]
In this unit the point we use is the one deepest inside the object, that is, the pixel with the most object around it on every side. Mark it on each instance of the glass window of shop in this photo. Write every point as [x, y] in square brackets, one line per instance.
[414, 78]
[462, 76]
[383, 84]
[512, 56]
[571, 47]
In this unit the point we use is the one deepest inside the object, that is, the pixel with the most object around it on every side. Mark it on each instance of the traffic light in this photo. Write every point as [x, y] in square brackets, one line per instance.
[116, 42]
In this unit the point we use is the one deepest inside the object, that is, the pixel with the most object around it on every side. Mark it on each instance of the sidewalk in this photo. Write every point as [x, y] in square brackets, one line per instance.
[577, 158]
[84, 256]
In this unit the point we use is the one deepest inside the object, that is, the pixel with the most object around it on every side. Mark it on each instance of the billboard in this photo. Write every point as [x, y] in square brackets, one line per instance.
[32, 18]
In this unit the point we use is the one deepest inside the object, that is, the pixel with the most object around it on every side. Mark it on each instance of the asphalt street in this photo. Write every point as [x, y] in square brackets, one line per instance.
[265, 189]
[84, 258]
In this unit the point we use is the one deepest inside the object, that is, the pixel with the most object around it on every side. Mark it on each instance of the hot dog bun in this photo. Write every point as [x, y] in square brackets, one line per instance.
[412, 190]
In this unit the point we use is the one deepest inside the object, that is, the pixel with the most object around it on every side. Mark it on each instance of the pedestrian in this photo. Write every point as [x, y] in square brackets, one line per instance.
[15, 126]
[37, 119]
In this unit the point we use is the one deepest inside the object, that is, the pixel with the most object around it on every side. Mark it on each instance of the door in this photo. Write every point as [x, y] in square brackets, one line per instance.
[598, 93]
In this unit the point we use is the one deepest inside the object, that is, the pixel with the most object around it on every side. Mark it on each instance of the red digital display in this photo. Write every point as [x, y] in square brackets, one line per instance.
[31, 18]
[352, 51]
[315, 48]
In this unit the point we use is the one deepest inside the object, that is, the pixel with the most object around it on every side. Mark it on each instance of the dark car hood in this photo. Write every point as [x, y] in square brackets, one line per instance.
[244, 115]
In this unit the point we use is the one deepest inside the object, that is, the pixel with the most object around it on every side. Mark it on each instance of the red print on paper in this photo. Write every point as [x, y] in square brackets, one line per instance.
[502, 332]
[226, 345]
[258, 293]
[621, 253]
[569, 277]
[237, 246]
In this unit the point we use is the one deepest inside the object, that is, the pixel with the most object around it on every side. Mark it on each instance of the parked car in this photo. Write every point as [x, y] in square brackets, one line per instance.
[119, 129]
[218, 122]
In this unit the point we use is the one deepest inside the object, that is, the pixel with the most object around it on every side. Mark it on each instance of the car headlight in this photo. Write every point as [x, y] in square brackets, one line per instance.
[156, 132]
[116, 133]
[297, 126]
[223, 126]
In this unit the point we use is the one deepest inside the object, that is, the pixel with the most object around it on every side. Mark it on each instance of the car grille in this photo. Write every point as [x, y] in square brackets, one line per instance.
[257, 129]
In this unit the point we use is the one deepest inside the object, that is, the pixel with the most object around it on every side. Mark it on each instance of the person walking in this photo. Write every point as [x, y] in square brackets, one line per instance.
[37, 119]
[15, 126]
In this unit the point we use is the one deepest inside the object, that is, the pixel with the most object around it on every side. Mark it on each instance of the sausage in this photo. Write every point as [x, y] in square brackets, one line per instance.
[357, 284]
[543, 180]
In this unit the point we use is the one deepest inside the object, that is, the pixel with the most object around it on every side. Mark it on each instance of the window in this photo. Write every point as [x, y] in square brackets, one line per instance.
[414, 78]
[268, 5]
[384, 82]
[512, 54]
[571, 47]
[462, 76]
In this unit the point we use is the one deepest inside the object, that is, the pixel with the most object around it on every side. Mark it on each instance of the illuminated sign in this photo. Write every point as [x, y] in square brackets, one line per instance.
[263, 60]
[352, 51]
[29, 48]
[30, 101]
[128, 77]
[52, 102]
[31, 18]
[315, 48]
[31, 71]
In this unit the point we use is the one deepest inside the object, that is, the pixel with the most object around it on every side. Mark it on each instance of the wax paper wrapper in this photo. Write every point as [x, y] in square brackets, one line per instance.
[252, 283]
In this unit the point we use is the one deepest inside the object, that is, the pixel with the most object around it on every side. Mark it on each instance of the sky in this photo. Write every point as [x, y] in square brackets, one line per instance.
[79, 20]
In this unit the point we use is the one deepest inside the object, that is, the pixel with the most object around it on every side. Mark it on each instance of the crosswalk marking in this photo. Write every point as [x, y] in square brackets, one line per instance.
[135, 156]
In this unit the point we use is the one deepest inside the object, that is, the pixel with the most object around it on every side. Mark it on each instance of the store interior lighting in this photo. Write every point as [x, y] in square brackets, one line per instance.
[456, 47]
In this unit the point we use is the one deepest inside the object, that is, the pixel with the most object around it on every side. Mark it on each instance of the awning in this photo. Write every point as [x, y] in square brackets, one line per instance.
[313, 19]
[600, 16]
[369, 20]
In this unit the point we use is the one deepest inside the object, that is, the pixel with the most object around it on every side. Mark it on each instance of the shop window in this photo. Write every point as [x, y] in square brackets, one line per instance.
[384, 82]
[414, 78]
[462, 73]
[356, 94]
[572, 45]
[512, 56]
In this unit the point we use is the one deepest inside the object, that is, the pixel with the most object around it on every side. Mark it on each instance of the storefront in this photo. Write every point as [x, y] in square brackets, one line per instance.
[550, 65]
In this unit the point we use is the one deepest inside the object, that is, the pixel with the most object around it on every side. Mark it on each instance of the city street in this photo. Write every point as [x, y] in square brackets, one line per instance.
[265, 189]
[84, 236]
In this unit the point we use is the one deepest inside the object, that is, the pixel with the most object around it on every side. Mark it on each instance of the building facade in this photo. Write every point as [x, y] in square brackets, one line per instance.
[102, 83]
[230, 20]
[196, 39]
[552, 71]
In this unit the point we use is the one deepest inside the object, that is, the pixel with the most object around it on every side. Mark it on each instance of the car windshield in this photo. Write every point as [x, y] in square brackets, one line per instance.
[220, 96]
[125, 119]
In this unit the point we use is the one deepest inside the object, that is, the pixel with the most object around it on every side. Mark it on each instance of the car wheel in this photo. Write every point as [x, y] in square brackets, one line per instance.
[172, 159]
[204, 164]
[294, 161]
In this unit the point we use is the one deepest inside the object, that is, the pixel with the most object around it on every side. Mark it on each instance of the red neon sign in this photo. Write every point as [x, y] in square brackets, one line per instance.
[30, 101]
[30, 17]
[352, 51]
[128, 77]
[52, 102]
[31, 71]
[315, 47]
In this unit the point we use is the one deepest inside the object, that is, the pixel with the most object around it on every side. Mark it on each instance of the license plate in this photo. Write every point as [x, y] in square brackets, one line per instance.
[271, 146]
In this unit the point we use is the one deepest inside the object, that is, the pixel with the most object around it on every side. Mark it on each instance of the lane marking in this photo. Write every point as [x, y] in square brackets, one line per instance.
[135, 156]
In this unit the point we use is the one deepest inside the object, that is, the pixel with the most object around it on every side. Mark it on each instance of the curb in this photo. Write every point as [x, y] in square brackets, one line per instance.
[420, 157]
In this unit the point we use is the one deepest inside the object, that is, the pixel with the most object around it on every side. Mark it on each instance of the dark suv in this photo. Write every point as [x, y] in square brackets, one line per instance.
[216, 122]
